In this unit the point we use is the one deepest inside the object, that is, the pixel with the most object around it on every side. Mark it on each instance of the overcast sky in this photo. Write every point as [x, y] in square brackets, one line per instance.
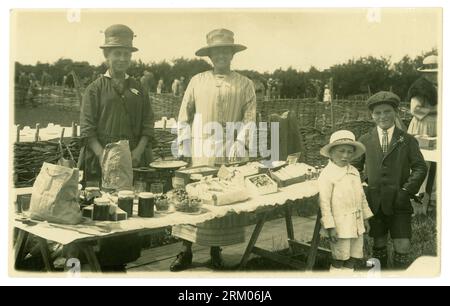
[281, 38]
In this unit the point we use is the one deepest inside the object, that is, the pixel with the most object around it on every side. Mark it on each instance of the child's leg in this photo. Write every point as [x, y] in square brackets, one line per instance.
[340, 252]
[356, 252]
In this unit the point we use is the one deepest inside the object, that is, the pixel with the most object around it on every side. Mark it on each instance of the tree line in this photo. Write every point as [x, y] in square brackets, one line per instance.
[351, 80]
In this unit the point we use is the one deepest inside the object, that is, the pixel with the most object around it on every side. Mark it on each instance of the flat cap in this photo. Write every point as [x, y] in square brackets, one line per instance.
[383, 97]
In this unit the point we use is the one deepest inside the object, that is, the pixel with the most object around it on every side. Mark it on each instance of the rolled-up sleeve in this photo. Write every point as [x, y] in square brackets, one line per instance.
[148, 118]
[89, 112]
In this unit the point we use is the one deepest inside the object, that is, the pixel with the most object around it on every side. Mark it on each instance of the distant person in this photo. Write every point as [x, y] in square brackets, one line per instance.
[46, 79]
[176, 87]
[24, 84]
[69, 81]
[160, 87]
[33, 91]
[269, 88]
[182, 86]
[147, 82]
[327, 95]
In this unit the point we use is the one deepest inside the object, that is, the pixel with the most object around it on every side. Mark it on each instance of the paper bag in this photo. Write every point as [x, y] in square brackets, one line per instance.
[55, 195]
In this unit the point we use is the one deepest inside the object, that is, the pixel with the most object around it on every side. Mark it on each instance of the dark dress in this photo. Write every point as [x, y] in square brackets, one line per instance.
[111, 116]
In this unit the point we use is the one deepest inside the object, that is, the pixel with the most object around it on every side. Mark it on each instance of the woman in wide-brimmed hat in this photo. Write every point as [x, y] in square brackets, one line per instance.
[214, 97]
[423, 98]
[115, 107]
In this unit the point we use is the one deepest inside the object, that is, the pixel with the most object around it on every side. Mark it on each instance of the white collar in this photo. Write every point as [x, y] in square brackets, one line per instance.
[389, 130]
[108, 75]
[335, 172]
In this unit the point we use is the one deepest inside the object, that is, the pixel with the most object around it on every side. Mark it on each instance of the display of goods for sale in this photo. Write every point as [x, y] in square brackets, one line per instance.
[260, 184]
[193, 173]
[114, 214]
[291, 174]
[183, 202]
[215, 191]
[237, 174]
[427, 142]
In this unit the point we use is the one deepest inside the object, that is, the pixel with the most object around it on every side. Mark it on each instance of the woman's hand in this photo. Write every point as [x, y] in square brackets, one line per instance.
[136, 156]
[332, 234]
[367, 225]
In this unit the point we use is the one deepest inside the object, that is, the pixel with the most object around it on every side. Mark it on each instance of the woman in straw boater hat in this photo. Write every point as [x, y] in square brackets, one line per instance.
[344, 208]
[114, 108]
[216, 96]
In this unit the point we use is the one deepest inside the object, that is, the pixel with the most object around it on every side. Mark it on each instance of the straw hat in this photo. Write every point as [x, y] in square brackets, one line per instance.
[119, 35]
[219, 38]
[343, 137]
[429, 64]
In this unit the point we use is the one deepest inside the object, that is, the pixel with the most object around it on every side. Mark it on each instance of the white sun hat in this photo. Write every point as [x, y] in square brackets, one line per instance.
[343, 137]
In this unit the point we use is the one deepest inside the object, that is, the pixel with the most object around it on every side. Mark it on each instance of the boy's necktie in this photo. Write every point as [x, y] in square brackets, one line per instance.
[384, 142]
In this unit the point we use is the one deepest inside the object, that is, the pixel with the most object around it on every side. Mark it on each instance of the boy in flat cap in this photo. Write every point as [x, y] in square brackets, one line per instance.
[394, 169]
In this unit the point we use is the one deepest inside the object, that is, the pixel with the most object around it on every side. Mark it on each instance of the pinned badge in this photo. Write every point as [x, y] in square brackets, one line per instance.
[135, 91]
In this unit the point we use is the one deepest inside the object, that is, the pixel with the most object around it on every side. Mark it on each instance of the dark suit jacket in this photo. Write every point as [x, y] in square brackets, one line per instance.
[403, 166]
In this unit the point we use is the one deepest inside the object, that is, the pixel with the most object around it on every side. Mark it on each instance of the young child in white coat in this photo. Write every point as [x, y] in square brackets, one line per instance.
[343, 204]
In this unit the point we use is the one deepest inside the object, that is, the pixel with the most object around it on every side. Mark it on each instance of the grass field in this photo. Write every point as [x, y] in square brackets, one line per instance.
[26, 115]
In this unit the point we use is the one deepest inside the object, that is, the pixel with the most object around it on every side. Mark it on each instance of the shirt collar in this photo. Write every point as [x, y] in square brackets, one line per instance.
[108, 75]
[389, 130]
[337, 172]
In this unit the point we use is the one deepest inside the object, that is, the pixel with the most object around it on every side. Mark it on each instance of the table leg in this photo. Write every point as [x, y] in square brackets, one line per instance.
[43, 246]
[20, 245]
[288, 218]
[89, 252]
[314, 244]
[253, 240]
[429, 186]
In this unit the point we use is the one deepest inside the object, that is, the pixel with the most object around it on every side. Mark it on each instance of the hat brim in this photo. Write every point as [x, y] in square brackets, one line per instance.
[393, 104]
[360, 149]
[205, 50]
[133, 49]
[427, 70]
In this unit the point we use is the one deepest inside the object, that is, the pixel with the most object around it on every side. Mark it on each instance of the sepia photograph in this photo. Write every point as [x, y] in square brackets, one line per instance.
[302, 142]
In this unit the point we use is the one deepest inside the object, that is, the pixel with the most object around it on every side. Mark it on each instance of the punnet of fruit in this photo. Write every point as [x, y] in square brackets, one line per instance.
[162, 203]
[183, 202]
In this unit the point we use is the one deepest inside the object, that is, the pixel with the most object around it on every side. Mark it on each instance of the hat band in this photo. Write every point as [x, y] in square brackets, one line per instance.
[342, 140]
[220, 40]
[429, 66]
[118, 41]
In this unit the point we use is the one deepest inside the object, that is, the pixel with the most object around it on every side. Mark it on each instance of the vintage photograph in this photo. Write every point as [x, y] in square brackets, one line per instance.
[222, 142]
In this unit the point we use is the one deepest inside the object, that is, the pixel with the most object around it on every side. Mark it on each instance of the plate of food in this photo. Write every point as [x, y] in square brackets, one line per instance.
[162, 204]
[168, 164]
[182, 202]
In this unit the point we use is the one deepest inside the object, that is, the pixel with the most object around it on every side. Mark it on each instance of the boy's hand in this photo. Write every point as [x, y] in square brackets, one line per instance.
[367, 225]
[332, 234]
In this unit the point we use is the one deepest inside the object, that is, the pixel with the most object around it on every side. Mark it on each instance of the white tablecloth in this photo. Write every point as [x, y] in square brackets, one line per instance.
[430, 155]
[94, 229]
